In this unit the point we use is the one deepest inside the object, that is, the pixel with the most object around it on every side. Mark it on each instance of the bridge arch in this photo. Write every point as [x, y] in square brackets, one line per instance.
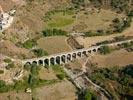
[131, 42]
[74, 55]
[52, 61]
[99, 49]
[27, 64]
[47, 62]
[84, 52]
[63, 58]
[58, 60]
[94, 50]
[79, 54]
[89, 51]
[119, 44]
[40, 62]
[69, 57]
[35, 62]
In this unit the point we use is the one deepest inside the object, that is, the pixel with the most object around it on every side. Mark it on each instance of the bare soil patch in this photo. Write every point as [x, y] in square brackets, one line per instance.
[93, 20]
[116, 58]
[47, 74]
[59, 91]
[15, 96]
[55, 44]
[9, 49]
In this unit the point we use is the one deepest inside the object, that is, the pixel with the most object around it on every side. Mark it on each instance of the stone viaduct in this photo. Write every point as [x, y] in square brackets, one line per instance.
[65, 57]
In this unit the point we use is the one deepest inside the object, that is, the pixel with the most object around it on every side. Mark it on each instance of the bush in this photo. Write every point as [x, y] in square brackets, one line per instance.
[88, 95]
[61, 76]
[105, 50]
[7, 60]
[10, 65]
[40, 52]
[29, 44]
[1, 71]
[3, 87]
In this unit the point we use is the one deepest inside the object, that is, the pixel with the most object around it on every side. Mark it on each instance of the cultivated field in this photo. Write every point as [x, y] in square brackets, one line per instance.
[55, 44]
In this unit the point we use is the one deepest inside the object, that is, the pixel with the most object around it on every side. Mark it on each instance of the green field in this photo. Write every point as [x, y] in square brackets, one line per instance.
[60, 19]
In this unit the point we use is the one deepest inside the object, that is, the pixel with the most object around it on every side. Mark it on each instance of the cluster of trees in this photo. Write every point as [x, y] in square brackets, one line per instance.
[121, 76]
[120, 6]
[120, 25]
[54, 32]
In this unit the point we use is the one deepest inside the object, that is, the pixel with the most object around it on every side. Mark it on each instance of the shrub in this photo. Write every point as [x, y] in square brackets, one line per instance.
[7, 60]
[40, 52]
[88, 95]
[105, 50]
[10, 65]
[3, 87]
[61, 76]
[1, 71]
[29, 44]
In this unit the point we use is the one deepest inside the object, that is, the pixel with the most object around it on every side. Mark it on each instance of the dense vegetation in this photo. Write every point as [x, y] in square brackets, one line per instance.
[54, 32]
[29, 44]
[87, 95]
[122, 77]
